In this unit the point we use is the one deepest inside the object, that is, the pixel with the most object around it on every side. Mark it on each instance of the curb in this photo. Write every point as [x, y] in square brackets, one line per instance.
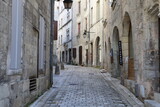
[115, 83]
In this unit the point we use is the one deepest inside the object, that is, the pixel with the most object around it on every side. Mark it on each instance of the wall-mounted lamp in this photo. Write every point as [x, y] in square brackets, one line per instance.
[67, 4]
[85, 32]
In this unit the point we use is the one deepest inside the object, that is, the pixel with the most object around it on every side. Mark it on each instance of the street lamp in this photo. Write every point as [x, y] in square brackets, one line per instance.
[67, 4]
[85, 32]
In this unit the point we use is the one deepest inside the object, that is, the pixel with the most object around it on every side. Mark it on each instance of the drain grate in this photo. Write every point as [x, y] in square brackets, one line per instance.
[103, 72]
[54, 87]
[73, 84]
[91, 73]
[32, 84]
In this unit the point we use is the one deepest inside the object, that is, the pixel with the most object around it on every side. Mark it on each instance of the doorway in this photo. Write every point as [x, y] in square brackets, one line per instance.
[127, 34]
[70, 56]
[115, 40]
[86, 56]
[91, 54]
[98, 52]
[80, 55]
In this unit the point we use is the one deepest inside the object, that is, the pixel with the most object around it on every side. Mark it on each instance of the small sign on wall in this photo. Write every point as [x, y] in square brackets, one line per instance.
[120, 53]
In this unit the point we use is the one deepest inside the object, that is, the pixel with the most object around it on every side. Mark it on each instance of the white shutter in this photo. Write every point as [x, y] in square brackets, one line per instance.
[41, 43]
[17, 20]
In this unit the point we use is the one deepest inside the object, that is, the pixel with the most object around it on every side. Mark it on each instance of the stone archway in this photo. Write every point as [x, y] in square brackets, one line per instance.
[128, 50]
[115, 40]
[98, 52]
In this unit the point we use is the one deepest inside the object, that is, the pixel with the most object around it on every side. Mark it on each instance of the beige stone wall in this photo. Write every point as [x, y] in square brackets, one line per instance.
[15, 88]
[144, 20]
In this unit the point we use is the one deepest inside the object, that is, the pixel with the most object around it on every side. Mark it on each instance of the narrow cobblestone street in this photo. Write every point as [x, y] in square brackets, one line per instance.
[81, 87]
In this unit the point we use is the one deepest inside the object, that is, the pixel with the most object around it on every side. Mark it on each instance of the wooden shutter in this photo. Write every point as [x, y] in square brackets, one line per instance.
[55, 29]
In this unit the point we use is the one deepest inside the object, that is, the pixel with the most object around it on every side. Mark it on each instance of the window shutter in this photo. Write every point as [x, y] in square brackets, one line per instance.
[17, 21]
[41, 43]
[55, 30]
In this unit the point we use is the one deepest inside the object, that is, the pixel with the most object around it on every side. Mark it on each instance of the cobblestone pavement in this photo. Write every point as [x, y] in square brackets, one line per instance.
[82, 87]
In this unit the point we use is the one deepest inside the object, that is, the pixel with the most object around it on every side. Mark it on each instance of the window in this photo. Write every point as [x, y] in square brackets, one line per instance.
[42, 44]
[58, 10]
[61, 22]
[67, 33]
[86, 4]
[68, 15]
[17, 33]
[61, 39]
[98, 10]
[91, 15]
[86, 23]
[79, 28]
[79, 7]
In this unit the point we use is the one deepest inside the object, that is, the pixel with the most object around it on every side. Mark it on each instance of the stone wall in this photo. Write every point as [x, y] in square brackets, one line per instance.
[14, 88]
[143, 18]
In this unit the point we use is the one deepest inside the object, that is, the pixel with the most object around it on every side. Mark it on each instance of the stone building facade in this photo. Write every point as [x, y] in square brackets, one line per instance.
[133, 42]
[64, 43]
[24, 51]
[87, 34]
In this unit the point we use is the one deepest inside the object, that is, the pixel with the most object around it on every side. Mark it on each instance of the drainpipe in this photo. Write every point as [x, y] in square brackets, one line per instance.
[89, 45]
[72, 36]
[159, 48]
[51, 42]
[103, 39]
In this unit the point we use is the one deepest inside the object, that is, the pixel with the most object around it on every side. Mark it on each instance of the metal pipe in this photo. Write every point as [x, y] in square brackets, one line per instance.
[89, 46]
[51, 42]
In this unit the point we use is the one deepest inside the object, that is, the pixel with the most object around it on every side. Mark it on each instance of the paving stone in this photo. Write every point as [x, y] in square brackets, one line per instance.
[83, 87]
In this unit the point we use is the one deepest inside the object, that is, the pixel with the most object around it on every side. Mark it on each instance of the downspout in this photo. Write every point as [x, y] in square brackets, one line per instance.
[51, 42]
[89, 44]
[103, 39]
[72, 37]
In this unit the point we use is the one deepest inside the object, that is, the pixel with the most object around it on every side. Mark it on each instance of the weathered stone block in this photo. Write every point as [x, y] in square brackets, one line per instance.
[4, 103]
[142, 91]
[26, 85]
[4, 90]
[125, 53]
[151, 103]
[124, 39]
[157, 97]
[130, 84]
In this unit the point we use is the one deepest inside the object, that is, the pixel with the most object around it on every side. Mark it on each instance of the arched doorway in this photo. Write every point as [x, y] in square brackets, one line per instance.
[98, 52]
[80, 55]
[115, 40]
[127, 35]
[87, 57]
